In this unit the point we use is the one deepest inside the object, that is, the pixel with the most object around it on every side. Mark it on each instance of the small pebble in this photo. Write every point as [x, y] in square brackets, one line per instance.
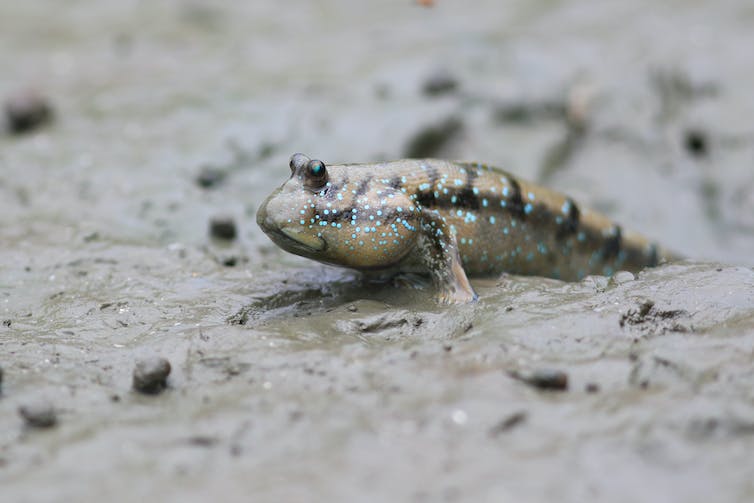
[26, 111]
[38, 415]
[6, 323]
[592, 387]
[696, 142]
[431, 139]
[230, 261]
[223, 228]
[209, 177]
[150, 375]
[621, 277]
[545, 379]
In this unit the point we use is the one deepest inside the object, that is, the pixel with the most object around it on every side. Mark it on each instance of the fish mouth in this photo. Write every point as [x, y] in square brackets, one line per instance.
[291, 238]
[314, 243]
[294, 241]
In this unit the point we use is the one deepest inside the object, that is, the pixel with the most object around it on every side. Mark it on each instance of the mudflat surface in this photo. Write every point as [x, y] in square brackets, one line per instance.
[292, 381]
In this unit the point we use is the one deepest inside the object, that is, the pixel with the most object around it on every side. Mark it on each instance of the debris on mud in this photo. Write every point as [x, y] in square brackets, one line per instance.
[708, 427]
[507, 424]
[402, 321]
[223, 227]
[228, 367]
[544, 379]
[676, 88]
[656, 370]
[150, 375]
[654, 321]
[523, 111]
[440, 82]
[202, 441]
[7, 323]
[38, 414]
[27, 110]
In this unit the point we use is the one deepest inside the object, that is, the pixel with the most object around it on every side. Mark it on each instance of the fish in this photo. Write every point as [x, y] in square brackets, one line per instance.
[449, 219]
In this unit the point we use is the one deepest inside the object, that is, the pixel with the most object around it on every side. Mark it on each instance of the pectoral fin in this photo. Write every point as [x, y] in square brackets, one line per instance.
[439, 252]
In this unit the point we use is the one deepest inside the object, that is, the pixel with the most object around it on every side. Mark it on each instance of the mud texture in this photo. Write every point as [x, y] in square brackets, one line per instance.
[293, 381]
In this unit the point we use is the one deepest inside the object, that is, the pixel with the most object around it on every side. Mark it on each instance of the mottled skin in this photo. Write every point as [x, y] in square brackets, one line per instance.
[450, 219]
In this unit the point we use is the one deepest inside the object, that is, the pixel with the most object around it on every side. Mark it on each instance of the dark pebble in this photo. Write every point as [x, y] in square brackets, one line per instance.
[222, 228]
[151, 374]
[545, 379]
[231, 261]
[210, 177]
[7, 323]
[696, 143]
[38, 415]
[430, 140]
[266, 150]
[440, 82]
[26, 111]
[592, 387]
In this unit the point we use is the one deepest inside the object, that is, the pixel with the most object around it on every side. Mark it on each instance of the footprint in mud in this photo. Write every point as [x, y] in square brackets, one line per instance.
[649, 319]
[320, 290]
[308, 297]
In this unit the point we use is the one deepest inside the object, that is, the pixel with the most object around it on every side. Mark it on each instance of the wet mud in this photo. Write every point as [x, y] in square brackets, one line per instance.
[127, 230]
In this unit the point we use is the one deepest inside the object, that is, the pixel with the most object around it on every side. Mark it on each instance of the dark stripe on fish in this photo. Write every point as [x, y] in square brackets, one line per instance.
[335, 188]
[613, 242]
[652, 255]
[571, 220]
[363, 185]
[466, 198]
[515, 201]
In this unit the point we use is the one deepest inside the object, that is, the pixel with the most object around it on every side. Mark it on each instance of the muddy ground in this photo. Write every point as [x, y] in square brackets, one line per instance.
[292, 381]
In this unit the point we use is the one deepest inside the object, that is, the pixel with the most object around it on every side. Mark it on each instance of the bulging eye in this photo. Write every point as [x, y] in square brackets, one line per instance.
[316, 174]
[298, 161]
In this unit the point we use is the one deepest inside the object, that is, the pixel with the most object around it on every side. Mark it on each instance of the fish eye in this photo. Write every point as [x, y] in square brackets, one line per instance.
[316, 173]
[298, 161]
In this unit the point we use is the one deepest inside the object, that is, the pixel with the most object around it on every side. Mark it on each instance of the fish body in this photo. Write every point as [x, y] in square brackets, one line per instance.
[450, 219]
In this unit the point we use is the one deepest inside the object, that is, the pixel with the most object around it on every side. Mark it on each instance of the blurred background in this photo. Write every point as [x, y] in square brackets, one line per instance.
[639, 109]
[140, 137]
